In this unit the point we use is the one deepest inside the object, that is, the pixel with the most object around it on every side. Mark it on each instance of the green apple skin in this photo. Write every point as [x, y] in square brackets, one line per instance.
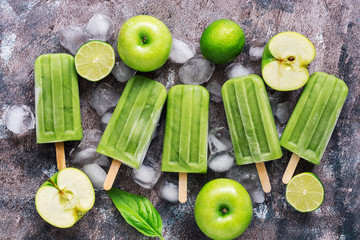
[76, 199]
[298, 68]
[210, 214]
[144, 43]
[267, 57]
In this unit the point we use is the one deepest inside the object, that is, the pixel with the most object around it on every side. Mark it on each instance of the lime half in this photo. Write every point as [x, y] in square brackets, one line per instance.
[94, 60]
[305, 192]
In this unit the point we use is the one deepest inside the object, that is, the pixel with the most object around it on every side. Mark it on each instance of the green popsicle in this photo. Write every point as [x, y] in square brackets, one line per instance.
[57, 102]
[128, 135]
[185, 141]
[57, 99]
[251, 123]
[186, 129]
[313, 120]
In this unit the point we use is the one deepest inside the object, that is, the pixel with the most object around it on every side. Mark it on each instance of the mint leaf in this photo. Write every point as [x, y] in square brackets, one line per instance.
[137, 211]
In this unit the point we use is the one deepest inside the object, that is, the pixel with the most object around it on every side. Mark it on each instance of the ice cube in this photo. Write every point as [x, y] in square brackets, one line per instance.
[257, 47]
[106, 118]
[273, 103]
[196, 70]
[256, 53]
[103, 98]
[169, 191]
[148, 174]
[180, 51]
[91, 136]
[85, 153]
[96, 174]
[215, 91]
[283, 112]
[72, 37]
[222, 161]
[122, 72]
[19, 119]
[219, 140]
[237, 70]
[100, 27]
[247, 176]
[257, 195]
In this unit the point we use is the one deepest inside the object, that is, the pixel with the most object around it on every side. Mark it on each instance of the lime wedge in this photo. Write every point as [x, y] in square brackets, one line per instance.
[305, 192]
[94, 60]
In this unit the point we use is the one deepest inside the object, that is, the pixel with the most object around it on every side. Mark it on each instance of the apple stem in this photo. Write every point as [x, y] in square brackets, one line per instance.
[53, 183]
[224, 210]
[144, 40]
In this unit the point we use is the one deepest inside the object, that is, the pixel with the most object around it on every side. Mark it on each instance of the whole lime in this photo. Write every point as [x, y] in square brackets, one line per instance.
[222, 41]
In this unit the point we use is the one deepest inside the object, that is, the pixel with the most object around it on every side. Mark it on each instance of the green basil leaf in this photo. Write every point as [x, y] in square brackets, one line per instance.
[137, 211]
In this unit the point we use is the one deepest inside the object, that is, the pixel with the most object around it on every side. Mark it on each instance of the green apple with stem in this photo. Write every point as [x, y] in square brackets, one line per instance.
[65, 198]
[285, 60]
[144, 43]
[223, 209]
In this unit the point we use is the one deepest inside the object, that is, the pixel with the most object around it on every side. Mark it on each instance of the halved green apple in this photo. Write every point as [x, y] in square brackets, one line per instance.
[285, 60]
[65, 198]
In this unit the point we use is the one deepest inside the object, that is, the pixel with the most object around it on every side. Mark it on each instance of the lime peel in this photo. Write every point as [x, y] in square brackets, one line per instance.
[94, 60]
[305, 192]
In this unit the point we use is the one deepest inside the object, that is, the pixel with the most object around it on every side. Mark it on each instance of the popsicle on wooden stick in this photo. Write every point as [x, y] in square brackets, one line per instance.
[313, 120]
[251, 124]
[186, 129]
[57, 102]
[128, 135]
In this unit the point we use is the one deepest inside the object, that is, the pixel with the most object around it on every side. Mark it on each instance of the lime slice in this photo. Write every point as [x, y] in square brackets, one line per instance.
[305, 192]
[94, 60]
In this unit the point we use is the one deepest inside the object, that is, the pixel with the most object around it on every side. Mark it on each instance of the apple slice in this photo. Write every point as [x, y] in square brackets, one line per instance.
[285, 60]
[65, 198]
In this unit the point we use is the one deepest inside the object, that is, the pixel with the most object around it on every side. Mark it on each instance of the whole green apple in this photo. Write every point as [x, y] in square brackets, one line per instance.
[144, 43]
[65, 198]
[285, 60]
[223, 209]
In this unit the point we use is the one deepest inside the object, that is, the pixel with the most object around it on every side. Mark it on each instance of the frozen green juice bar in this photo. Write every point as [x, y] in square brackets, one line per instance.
[186, 129]
[251, 123]
[128, 135]
[57, 99]
[313, 120]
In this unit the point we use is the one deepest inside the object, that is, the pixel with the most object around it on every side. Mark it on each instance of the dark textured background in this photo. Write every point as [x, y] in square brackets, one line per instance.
[30, 28]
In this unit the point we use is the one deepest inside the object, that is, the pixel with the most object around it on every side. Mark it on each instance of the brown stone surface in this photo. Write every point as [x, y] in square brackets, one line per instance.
[30, 28]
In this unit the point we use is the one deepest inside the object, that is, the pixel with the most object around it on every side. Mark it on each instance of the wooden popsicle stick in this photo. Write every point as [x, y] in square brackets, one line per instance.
[110, 178]
[60, 155]
[182, 187]
[290, 169]
[264, 178]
